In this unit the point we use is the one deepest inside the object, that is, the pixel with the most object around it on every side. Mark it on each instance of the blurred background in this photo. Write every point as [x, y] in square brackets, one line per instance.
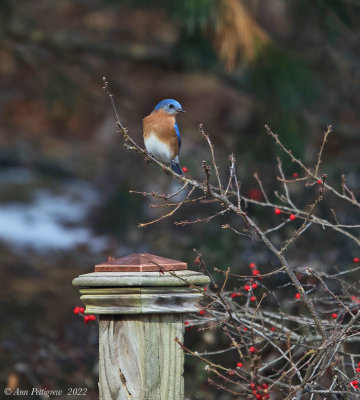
[65, 175]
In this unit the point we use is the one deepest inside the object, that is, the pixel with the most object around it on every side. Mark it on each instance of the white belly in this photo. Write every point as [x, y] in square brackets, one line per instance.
[158, 149]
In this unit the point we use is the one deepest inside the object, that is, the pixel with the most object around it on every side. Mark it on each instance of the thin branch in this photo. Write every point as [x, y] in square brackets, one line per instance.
[343, 196]
[211, 146]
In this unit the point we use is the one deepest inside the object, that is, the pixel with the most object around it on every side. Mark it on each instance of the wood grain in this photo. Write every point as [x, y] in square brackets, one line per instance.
[139, 359]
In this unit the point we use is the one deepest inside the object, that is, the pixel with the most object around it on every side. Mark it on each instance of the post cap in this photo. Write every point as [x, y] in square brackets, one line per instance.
[142, 262]
[141, 284]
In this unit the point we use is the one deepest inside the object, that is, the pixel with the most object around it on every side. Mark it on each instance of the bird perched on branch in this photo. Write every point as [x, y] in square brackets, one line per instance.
[161, 133]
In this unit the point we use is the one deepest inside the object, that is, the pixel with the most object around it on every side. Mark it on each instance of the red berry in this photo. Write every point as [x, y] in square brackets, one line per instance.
[265, 385]
[297, 296]
[252, 265]
[184, 169]
[292, 217]
[258, 396]
[197, 260]
[231, 372]
[256, 272]
[319, 181]
[205, 289]
[295, 175]
[334, 315]
[277, 211]
[254, 285]
[252, 349]
[253, 298]
[233, 295]
[357, 369]
[186, 322]
[274, 330]
[202, 312]
[245, 328]
[88, 318]
[76, 310]
[246, 287]
[356, 260]
[254, 194]
[81, 310]
[239, 364]
[252, 385]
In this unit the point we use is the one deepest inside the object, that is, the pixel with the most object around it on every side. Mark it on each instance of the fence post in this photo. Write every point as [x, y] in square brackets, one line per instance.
[141, 300]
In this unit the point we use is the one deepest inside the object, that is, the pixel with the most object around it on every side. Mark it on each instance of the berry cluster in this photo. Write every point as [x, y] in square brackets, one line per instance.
[79, 310]
[187, 327]
[354, 384]
[251, 285]
[86, 318]
[292, 217]
[260, 392]
[255, 271]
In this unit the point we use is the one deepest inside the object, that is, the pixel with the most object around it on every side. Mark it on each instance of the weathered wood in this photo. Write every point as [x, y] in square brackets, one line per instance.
[139, 359]
[141, 279]
[143, 300]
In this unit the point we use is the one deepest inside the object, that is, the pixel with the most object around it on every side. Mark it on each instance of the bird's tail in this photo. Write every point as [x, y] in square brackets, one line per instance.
[176, 168]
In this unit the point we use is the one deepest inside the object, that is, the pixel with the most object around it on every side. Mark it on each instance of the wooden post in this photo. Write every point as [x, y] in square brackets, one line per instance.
[141, 300]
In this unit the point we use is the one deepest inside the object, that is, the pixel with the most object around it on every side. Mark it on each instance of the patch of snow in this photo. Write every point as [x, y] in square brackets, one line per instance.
[51, 221]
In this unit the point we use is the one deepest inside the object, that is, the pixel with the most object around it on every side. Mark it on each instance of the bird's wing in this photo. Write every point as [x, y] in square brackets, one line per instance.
[178, 134]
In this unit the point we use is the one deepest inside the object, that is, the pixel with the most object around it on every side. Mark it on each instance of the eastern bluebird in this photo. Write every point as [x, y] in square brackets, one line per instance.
[161, 133]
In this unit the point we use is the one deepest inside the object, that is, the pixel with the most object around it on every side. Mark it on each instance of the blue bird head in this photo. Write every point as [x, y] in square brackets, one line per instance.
[170, 106]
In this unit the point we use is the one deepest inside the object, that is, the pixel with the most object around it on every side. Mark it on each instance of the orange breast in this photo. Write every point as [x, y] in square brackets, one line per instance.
[161, 124]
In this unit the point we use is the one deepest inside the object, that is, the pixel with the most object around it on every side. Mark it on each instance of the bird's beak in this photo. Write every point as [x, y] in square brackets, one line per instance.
[181, 110]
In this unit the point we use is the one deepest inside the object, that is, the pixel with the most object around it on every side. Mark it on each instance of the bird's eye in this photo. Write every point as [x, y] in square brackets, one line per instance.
[171, 105]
